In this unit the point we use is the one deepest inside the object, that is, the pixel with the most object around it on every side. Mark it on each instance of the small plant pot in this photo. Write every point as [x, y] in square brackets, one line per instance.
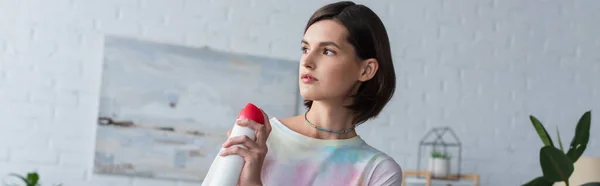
[439, 167]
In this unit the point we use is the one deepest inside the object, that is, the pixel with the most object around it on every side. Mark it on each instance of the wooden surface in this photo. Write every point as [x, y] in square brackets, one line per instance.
[424, 177]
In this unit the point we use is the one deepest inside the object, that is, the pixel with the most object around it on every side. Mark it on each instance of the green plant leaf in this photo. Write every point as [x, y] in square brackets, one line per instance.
[541, 131]
[21, 177]
[581, 138]
[33, 178]
[559, 140]
[539, 181]
[556, 166]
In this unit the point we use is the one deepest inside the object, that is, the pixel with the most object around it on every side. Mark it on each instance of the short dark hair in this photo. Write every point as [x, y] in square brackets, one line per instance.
[368, 36]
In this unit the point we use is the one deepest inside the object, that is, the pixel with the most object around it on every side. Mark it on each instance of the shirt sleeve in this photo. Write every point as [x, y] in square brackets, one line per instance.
[386, 173]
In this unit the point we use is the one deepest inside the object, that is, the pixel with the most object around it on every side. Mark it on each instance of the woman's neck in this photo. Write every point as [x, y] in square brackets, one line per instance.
[334, 117]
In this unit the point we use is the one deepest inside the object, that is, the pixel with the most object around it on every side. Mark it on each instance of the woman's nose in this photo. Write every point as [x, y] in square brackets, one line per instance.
[308, 61]
[308, 65]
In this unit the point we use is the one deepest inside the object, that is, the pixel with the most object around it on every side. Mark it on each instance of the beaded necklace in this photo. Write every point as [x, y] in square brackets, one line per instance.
[324, 129]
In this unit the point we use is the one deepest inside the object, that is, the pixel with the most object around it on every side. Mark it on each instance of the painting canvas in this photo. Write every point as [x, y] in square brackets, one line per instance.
[165, 109]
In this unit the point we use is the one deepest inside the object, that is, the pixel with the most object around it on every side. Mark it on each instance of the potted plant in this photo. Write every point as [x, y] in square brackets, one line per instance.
[556, 164]
[32, 179]
[439, 164]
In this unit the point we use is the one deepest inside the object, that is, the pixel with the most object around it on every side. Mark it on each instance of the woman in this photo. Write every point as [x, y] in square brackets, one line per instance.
[346, 77]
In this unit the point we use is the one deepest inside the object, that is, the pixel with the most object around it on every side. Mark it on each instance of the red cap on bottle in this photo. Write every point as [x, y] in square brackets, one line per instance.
[252, 112]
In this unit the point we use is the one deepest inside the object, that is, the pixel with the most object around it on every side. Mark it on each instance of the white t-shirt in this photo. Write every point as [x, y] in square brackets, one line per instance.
[297, 160]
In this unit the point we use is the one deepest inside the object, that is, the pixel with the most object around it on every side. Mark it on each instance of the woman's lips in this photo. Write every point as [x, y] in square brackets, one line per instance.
[307, 78]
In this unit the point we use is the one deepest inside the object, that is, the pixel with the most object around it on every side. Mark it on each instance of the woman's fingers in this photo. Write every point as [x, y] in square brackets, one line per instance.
[243, 146]
[267, 123]
[235, 150]
[240, 140]
[248, 123]
[263, 132]
[261, 135]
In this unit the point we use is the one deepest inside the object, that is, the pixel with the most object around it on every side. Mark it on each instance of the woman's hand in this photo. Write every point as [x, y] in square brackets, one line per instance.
[255, 152]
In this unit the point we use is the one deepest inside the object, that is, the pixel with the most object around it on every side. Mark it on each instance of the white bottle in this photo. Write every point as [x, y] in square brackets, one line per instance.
[226, 171]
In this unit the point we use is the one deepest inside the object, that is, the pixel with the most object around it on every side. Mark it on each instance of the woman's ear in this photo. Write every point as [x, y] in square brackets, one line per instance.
[368, 69]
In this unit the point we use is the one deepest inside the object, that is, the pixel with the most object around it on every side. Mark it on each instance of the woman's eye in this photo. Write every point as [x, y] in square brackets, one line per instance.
[304, 50]
[328, 52]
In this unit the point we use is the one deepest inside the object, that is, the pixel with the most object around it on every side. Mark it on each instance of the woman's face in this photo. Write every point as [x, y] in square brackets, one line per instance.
[329, 67]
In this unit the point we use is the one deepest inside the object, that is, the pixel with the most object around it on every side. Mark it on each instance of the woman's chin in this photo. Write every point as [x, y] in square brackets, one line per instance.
[308, 95]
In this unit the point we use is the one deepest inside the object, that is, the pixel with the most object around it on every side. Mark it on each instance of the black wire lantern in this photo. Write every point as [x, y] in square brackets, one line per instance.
[440, 148]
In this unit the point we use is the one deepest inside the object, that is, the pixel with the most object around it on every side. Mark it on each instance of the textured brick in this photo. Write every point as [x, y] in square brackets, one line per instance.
[3, 155]
[480, 67]
[76, 159]
[25, 154]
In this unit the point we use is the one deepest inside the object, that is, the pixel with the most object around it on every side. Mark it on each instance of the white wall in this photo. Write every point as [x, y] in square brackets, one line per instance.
[478, 66]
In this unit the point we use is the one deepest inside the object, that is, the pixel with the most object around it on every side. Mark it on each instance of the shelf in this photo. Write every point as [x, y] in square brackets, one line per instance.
[413, 177]
[434, 182]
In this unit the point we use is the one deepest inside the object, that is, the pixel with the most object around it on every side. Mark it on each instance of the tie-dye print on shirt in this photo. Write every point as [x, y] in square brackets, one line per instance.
[297, 160]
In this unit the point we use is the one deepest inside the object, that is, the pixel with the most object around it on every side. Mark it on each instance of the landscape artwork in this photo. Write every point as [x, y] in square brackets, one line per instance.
[165, 110]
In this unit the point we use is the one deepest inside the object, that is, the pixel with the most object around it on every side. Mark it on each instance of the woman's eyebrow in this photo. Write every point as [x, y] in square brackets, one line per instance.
[324, 43]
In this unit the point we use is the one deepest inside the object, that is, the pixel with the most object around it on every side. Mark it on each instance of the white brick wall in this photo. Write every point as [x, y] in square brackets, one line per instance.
[478, 66]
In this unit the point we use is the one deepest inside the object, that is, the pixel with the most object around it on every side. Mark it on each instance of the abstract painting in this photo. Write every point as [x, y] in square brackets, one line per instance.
[165, 109]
